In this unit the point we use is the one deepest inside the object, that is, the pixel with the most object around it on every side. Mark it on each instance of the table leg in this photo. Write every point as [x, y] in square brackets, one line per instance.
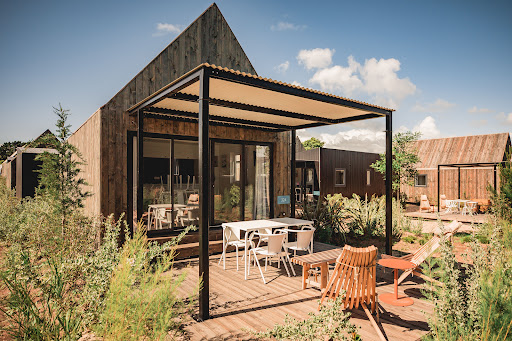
[305, 274]
[324, 272]
[395, 280]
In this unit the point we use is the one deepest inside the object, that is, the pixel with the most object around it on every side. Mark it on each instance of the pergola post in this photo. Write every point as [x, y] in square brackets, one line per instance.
[292, 174]
[389, 182]
[204, 195]
[438, 188]
[458, 179]
[140, 162]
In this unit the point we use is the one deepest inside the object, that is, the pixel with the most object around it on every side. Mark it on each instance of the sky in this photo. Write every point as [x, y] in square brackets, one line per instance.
[445, 66]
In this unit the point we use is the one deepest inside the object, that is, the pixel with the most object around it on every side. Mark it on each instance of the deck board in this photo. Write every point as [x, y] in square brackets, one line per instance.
[238, 305]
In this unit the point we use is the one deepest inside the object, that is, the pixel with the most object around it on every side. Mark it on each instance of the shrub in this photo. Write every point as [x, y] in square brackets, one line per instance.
[142, 301]
[365, 216]
[331, 323]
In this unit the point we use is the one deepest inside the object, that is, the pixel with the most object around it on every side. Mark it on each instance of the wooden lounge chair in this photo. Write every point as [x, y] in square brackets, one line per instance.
[355, 273]
[424, 203]
[425, 251]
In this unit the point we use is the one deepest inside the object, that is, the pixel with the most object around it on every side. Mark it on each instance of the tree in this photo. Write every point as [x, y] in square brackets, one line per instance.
[405, 158]
[59, 173]
[8, 148]
[313, 143]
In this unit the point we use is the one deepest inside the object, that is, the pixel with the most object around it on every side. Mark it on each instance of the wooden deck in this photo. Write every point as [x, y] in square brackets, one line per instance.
[475, 219]
[238, 305]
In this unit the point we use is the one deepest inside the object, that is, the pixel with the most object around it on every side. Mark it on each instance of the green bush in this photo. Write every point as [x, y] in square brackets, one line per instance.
[409, 239]
[331, 323]
[365, 217]
[142, 301]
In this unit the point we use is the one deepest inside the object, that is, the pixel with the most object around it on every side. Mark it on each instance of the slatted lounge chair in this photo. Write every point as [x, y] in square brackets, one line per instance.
[355, 273]
[424, 203]
[425, 251]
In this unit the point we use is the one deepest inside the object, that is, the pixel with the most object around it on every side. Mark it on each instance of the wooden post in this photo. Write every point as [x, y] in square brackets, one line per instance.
[389, 182]
[292, 175]
[140, 163]
[204, 195]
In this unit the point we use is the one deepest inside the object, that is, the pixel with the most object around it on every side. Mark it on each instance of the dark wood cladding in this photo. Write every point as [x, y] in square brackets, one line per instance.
[355, 164]
[208, 39]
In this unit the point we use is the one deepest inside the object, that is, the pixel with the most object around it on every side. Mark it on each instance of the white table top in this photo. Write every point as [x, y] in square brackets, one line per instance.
[266, 223]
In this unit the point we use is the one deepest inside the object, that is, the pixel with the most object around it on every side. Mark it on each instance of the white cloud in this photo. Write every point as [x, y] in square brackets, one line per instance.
[475, 110]
[283, 67]
[438, 105]
[377, 78]
[164, 28]
[504, 118]
[316, 58]
[296, 83]
[428, 128]
[368, 135]
[287, 26]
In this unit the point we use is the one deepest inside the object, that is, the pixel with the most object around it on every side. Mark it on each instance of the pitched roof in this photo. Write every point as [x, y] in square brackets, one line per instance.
[463, 149]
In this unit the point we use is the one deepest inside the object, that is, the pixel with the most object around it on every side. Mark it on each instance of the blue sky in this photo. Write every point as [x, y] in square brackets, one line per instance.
[444, 65]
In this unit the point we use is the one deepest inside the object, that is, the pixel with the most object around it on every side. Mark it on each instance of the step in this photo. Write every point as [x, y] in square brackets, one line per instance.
[191, 237]
[192, 249]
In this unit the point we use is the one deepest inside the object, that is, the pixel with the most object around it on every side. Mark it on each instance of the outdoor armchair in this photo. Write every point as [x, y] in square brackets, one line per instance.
[425, 251]
[424, 203]
[304, 240]
[354, 276]
[273, 249]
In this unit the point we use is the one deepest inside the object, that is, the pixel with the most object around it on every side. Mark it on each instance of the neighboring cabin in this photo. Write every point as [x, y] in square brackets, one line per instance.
[465, 151]
[20, 170]
[323, 171]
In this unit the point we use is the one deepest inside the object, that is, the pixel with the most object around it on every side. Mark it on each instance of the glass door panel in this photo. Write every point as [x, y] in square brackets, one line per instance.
[186, 183]
[227, 201]
[257, 188]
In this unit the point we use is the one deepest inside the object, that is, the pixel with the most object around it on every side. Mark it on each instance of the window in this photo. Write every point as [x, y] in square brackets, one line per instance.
[368, 177]
[421, 180]
[340, 177]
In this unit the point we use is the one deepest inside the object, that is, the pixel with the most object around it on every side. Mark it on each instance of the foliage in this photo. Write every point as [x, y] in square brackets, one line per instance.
[474, 304]
[331, 323]
[142, 301]
[328, 217]
[502, 199]
[37, 308]
[313, 143]
[59, 173]
[365, 216]
[405, 158]
[8, 148]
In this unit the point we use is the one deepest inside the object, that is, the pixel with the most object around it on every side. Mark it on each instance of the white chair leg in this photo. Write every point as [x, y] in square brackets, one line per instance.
[259, 267]
[288, 272]
[236, 248]
[291, 265]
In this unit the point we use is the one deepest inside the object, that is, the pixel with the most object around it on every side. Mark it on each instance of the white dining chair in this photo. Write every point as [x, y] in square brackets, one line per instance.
[273, 249]
[451, 206]
[231, 239]
[161, 217]
[304, 240]
[469, 208]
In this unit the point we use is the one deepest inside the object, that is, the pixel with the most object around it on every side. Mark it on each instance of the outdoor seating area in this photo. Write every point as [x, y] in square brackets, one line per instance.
[240, 305]
[274, 290]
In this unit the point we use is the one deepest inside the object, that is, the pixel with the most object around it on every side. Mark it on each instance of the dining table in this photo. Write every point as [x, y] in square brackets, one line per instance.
[242, 229]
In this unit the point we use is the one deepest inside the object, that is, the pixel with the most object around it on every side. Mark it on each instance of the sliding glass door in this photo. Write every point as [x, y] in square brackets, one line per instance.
[240, 175]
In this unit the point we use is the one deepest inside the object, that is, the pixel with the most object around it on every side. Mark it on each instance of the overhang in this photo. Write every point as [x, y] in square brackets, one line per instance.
[244, 100]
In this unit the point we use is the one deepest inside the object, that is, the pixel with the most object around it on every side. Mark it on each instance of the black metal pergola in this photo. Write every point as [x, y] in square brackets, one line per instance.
[211, 95]
[494, 165]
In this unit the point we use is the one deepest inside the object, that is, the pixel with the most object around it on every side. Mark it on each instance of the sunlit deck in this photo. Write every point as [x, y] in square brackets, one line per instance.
[238, 305]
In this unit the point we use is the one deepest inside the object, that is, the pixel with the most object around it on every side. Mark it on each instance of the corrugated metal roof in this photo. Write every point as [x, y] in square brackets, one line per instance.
[463, 149]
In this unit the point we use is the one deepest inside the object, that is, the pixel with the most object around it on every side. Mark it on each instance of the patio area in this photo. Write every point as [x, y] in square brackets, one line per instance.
[237, 306]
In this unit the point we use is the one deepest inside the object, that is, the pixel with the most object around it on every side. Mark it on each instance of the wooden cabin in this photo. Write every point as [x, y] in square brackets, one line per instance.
[198, 138]
[20, 170]
[323, 171]
[466, 165]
